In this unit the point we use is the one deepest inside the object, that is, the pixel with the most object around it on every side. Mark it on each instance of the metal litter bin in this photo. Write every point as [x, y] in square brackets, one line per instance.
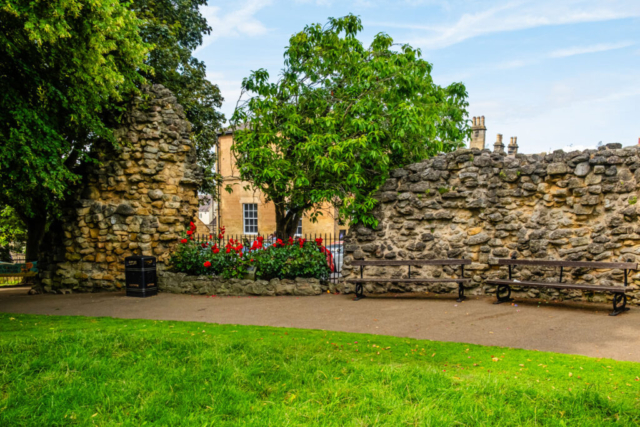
[140, 276]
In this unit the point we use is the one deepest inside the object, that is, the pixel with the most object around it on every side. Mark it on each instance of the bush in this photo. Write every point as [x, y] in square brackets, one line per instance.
[295, 258]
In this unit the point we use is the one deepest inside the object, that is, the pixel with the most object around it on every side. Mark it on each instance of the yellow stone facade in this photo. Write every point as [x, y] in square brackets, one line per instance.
[230, 208]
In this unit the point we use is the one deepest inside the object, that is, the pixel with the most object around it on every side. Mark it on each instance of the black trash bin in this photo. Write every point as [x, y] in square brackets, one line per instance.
[140, 275]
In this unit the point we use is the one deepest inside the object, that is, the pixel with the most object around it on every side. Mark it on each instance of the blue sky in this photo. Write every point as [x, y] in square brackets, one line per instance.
[554, 73]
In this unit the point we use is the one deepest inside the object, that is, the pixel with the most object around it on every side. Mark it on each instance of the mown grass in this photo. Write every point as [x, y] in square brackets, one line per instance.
[103, 371]
[10, 281]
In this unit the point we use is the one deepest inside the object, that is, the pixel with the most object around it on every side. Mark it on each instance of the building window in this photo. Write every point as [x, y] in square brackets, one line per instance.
[299, 229]
[250, 218]
[200, 215]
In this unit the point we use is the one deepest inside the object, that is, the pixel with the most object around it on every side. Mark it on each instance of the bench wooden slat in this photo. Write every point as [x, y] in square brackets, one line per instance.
[414, 262]
[416, 280]
[557, 263]
[582, 286]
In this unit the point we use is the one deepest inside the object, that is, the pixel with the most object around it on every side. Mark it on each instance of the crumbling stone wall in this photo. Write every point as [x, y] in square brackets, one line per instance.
[136, 201]
[483, 206]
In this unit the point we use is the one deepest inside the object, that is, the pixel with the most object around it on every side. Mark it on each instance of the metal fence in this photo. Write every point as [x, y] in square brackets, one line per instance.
[331, 241]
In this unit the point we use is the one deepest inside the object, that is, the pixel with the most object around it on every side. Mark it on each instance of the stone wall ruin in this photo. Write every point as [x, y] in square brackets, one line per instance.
[475, 204]
[137, 200]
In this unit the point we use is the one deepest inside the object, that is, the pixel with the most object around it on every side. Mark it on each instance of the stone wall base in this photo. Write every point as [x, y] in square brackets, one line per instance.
[181, 283]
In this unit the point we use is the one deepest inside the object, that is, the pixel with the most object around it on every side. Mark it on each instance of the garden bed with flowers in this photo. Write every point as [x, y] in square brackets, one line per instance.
[262, 266]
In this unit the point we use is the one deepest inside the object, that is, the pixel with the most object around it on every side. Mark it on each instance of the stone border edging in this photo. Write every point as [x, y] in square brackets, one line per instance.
[181, 283]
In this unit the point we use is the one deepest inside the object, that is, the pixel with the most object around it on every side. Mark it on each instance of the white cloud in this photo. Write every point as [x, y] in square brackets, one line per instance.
[572, 113]
[238, 22]
[579, 50]
[230, 90]
[520, 15]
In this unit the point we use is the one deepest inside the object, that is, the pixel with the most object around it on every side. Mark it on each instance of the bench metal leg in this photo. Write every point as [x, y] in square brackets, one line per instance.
[617, 309]
[461, 296]
[359, 292]
[501, 289]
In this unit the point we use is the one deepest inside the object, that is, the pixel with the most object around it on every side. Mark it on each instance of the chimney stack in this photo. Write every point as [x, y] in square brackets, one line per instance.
[498, 147]
[478, 132]
[513, 146]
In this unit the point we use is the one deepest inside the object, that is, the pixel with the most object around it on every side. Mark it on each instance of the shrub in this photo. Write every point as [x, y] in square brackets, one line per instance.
[295, 258]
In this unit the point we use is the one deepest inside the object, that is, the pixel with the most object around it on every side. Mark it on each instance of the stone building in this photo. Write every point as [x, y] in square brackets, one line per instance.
[245, 211]
[482, 205]
[137, 200]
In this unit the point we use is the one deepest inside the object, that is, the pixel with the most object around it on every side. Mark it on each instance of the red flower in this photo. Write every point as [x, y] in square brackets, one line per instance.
[216, 250]
[279, 242]
[319, 241]
[191, 237]
[302, 242]
[290, 240]
[183, 241]
[240, 254]
[204, 245]
[189, 232]
[207, 264]
[252, 260]
[192, 225]
[228, 250]
[260, 239]
[220, 236]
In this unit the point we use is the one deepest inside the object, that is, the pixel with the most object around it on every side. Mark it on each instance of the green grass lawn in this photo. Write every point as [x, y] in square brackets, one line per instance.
[10, 281]
[103, 371]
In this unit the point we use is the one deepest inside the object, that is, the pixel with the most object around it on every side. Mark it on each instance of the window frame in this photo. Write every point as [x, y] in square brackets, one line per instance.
[246, 227]
[299, 228]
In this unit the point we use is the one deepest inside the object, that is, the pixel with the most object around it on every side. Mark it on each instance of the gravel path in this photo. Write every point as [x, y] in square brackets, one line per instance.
[572, 328]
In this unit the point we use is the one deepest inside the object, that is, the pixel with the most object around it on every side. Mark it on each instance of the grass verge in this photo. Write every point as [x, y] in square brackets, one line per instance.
[104, 371]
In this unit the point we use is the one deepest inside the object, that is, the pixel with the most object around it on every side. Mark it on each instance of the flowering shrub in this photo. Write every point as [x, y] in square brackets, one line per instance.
[283, 260]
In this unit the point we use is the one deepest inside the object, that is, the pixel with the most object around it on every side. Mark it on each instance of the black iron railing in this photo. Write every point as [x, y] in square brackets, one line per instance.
[330, 241]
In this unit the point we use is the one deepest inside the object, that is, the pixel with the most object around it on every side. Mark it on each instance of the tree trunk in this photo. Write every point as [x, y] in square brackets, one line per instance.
[35, 232]
[286, 222]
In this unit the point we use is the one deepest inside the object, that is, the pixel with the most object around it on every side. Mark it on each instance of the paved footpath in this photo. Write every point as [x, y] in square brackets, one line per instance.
[572, 328]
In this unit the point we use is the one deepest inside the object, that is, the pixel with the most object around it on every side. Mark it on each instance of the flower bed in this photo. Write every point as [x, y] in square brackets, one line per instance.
[297, 258]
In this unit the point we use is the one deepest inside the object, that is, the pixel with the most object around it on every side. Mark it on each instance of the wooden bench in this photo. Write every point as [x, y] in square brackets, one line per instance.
[503, 291]
[460, 281]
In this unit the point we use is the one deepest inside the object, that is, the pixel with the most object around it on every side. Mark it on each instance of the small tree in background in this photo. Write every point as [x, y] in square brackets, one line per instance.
[339, 119]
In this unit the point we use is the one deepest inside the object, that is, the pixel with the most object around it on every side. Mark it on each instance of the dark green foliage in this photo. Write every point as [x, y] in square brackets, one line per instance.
[291, 261]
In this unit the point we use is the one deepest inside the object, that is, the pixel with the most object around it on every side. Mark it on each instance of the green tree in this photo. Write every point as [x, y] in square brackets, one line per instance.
[67, 67]
[176, 28]
[339, 119]
[12, 233]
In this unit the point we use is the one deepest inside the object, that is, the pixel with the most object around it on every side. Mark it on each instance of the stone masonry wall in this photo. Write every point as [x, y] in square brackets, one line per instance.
[181, 283]
[136, 201]
[577, 206]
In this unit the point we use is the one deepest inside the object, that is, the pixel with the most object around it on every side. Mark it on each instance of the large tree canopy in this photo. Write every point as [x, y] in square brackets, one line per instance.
[339, 119]
[68, 68]
[65, 70]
